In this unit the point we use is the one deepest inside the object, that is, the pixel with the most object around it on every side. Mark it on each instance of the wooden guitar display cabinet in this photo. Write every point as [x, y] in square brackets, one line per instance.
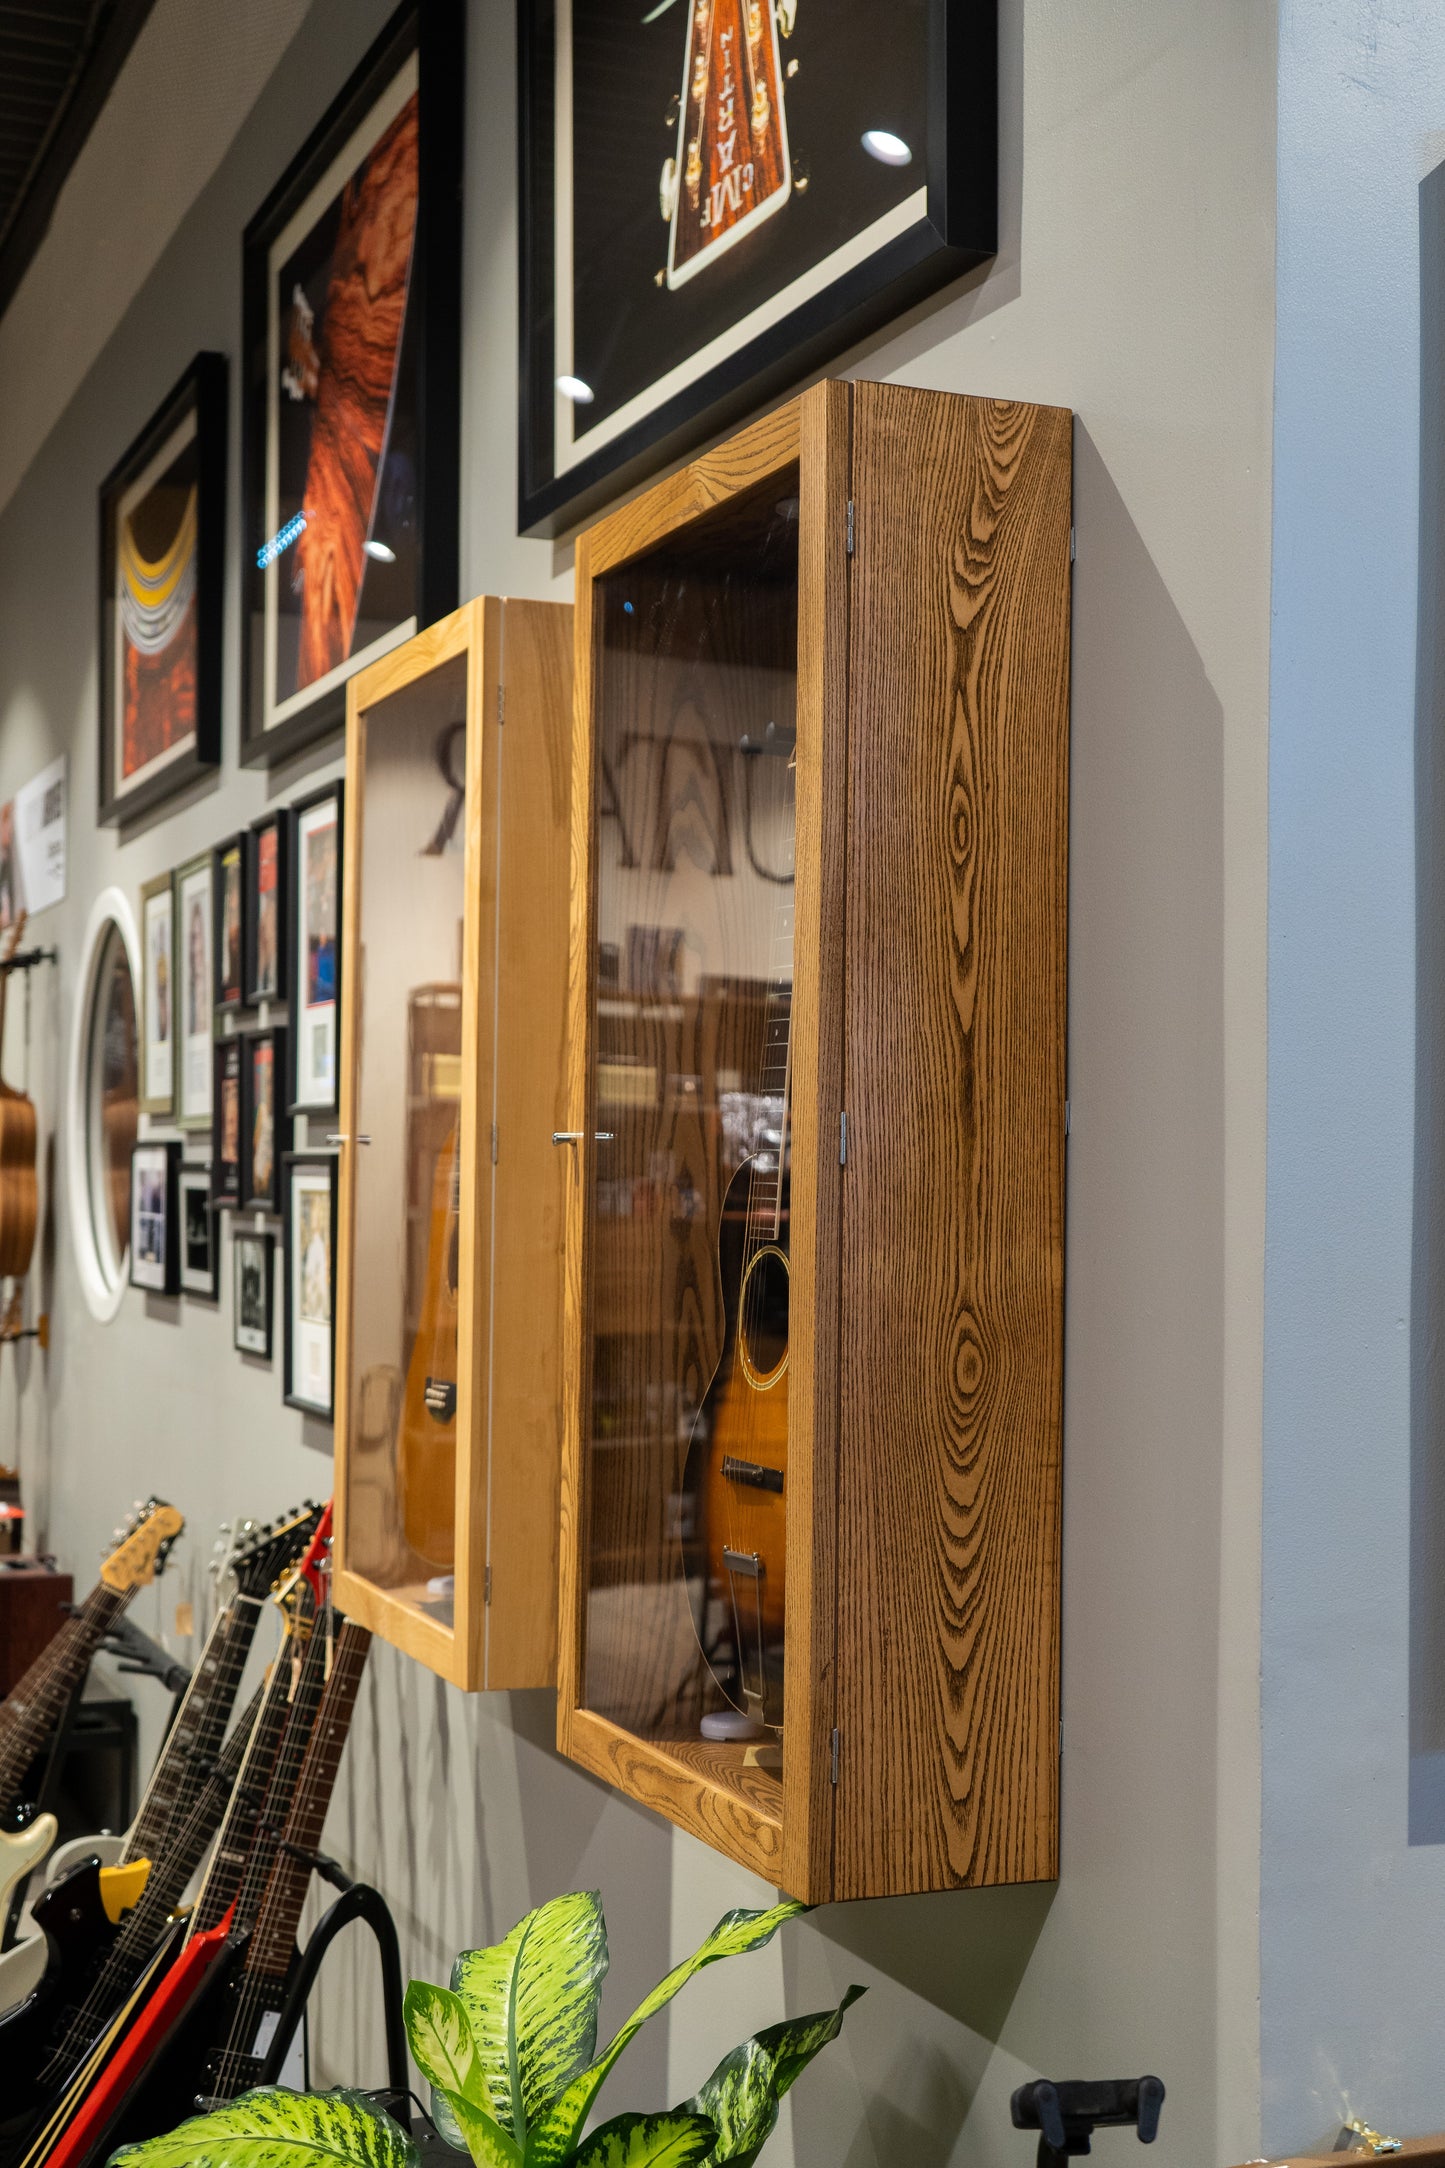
[815, 1144]
[449, 1286]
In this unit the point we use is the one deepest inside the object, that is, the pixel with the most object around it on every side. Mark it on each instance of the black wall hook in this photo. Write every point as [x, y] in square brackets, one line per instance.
[1066, 2114]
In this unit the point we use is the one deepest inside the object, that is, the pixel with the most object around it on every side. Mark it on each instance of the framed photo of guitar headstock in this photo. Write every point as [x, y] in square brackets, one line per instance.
[350, 390]
[313, 945]
[154, 1235]
[309, 1249]
[718, 195]
[162, 550]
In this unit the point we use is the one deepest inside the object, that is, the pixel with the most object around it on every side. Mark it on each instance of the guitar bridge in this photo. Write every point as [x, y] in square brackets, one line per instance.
[751, 1473]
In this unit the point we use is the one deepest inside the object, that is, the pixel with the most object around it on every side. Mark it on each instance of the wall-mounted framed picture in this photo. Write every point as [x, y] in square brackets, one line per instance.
[226, 1121]
[309, 1221]
[158, 999]
[162, 545]
[267, 850]
[200, 1265]
[720, 195]
[195, 963]
[154, 1232]
[253, 1276]
[314, 948]
[230, 910]
[263, 1074]
[350, 398]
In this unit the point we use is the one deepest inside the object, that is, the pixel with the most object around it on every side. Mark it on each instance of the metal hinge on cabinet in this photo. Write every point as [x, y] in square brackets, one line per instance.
[1068, 1117]
[842, 1140]
[501, 704]
[487, 1585]
[494, 1144]
[850, 526]
[833, 1762]
[1073, 544]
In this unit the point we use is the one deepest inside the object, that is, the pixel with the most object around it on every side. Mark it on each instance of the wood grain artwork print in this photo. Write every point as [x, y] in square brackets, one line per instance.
[342, 483]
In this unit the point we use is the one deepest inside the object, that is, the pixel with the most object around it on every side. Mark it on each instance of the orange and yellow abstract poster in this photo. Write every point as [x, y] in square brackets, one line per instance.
[156, 625]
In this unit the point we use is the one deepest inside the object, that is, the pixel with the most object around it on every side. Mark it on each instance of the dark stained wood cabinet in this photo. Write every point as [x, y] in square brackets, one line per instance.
[815, 1143]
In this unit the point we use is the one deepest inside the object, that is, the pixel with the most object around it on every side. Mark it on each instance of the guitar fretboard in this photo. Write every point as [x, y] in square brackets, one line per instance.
[37, 1701]
[765, 1181]
[195, 1737]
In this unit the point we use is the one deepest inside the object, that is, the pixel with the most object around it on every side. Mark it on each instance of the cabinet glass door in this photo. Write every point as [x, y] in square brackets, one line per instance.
[409, 1181]
[695, 654]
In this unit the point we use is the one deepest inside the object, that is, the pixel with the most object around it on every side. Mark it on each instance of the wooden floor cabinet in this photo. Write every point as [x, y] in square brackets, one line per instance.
[454, 996]
[814, 1142]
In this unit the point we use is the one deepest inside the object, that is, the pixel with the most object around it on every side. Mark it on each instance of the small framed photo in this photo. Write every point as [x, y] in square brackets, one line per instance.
[253, 1270]
[195, 961]
[162, 552]
[263, 1067]
[266, 944]
[158, 970]
[199, 1263]
[231, 923]
[154, 1235]
[226, 1127]
[350, 389]
[314, 949]
[310, 1251]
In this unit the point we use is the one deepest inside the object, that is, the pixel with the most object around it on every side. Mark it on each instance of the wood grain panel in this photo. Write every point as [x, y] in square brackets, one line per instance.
[525, 1343]
[671, 505]
[952, 1261]
[703, 1788]
[817, 1049]
[1420, 2152]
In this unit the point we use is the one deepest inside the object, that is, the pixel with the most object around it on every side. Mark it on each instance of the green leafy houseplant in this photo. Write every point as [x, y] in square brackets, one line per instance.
[510, 2051]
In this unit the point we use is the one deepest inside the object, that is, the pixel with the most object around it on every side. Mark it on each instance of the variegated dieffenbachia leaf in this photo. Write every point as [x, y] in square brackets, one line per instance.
[483, 2137]
[270, 2128]
[533, 2000]
[439, 2033]
[447, 2126]
[553, 2135]
[742, 2095]
[648, 2141]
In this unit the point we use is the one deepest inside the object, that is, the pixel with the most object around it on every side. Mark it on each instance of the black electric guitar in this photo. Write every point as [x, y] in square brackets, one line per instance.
[101, 1950]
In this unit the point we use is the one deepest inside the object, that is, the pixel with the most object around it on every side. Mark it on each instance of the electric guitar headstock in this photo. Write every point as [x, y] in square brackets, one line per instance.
[142, 1547]
[270, 1551]
[308, 1581]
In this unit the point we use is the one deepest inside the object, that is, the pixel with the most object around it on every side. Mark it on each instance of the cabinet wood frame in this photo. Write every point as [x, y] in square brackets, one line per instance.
[944, 1773]
[514, 945]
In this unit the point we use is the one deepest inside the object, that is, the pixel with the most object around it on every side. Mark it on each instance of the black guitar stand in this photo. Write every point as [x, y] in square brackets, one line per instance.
[358, 1901]
[1067, 2114]
[141, 1658]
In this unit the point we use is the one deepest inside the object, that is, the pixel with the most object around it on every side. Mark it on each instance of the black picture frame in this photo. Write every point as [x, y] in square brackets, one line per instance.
[253, 1302]
[265, 959]
[228, 1069]
[154, 1250]
[199, 1280]
[261, 1187]
[196, 404]
[788, 339]
[296, 1244]
[315, 1026]
[228, 974]
[432, 34]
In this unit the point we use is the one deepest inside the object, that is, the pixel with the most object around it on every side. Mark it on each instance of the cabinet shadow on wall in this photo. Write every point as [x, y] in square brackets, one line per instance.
[1427, 1263]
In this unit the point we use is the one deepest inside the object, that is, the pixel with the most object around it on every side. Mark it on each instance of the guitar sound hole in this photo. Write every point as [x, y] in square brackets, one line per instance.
[765, 1318]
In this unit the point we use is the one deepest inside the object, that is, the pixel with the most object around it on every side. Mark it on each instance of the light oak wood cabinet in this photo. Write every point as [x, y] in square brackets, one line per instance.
[811, 1474]
[449, 1294]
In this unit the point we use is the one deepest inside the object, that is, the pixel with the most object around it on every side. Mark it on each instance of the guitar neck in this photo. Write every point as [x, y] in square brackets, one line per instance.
[246, 1845]
[775, 1078]
[36, 1704]
[195, 1737]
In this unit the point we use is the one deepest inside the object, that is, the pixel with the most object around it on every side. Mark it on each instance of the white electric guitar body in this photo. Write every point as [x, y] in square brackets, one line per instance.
[20, 1851]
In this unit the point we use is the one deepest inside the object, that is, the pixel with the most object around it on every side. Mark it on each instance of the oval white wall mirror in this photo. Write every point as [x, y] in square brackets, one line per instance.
[104, 1101]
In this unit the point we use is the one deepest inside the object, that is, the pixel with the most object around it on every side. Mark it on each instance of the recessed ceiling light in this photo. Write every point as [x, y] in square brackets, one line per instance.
[381, 552]
[889, 150]
[573, 388]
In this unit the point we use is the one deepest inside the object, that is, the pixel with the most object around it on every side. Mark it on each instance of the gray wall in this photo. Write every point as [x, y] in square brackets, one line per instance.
[1352, 1874]
[1133, 284]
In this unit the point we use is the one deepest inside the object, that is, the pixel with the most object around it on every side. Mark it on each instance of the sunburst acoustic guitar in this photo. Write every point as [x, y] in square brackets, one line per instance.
[19, 1187]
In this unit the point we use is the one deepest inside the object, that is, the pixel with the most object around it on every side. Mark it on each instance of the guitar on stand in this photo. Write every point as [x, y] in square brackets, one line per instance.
[36, 1705]
[737, 1459]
